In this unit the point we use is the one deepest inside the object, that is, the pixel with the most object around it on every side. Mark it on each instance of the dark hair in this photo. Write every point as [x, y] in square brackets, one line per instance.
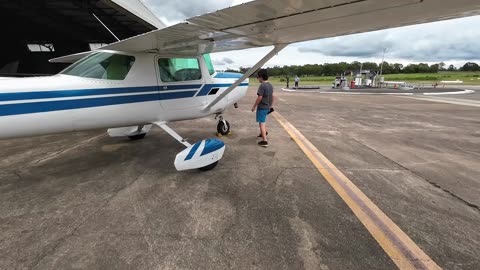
[262, 73]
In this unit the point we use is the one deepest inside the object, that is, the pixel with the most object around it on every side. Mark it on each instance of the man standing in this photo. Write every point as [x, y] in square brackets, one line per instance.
[263, 103]
[297, 79]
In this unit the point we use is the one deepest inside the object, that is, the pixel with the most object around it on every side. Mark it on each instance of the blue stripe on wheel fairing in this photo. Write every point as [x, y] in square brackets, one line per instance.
[192, 151]
[212, 145]
[61, 105]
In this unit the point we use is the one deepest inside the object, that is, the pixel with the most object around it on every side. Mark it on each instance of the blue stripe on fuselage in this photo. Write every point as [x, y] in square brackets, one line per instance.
[228, 75]
[179, 87]
[90, 92]
[106, 91]
[61, 105]
[208, 87]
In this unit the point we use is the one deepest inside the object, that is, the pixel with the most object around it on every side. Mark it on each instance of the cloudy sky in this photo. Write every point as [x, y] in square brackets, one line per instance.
[453, 42]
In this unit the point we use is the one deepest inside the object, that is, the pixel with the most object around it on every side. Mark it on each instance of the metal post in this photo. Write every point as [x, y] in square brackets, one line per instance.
[100, 21]
[383, 60]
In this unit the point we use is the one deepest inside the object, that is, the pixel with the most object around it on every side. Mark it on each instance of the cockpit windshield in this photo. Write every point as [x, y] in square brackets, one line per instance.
[102, 65]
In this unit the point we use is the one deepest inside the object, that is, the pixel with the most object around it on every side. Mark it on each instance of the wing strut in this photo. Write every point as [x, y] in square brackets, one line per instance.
[247, 74]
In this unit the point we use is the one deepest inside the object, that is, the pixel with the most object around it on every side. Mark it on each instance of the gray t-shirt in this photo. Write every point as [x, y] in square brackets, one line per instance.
[266, 91]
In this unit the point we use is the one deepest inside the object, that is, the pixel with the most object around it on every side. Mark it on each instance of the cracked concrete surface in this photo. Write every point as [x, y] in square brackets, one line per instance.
[425, 179]
[95, 202]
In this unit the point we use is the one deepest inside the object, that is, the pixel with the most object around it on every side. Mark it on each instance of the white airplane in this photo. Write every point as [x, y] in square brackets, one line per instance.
[166, 75]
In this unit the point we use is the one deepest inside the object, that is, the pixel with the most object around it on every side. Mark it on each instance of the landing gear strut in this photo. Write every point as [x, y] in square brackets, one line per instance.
[223, 126]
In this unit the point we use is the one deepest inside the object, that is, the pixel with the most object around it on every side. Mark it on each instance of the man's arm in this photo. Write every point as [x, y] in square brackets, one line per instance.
[260, 92]
[259, 99]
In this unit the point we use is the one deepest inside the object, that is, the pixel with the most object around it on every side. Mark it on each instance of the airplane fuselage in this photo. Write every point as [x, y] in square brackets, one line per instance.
[116, 89]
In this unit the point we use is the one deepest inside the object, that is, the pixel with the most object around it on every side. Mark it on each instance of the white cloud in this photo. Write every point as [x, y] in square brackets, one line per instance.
[441, 41]
[223, 61]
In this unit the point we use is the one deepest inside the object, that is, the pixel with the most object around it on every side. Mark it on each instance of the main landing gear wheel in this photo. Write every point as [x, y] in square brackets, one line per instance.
[209, 167]
[223, 127]
[137, 137]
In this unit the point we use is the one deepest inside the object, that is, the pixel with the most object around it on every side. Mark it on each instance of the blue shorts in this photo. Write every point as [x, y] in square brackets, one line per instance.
[262, 115]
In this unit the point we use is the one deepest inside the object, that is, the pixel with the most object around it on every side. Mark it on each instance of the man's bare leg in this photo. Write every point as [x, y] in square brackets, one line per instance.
[263, 131]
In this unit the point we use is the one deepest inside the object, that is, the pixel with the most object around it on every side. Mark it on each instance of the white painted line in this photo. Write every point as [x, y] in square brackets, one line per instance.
[394, 94]
[358, 93]
[450, 93]
[344, 93]
[455, 101]
[302, 91]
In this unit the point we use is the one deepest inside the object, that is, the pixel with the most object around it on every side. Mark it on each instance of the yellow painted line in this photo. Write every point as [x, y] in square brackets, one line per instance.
[399, 247]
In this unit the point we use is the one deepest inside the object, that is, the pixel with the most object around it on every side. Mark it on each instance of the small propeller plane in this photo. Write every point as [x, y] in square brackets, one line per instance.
[166, 75]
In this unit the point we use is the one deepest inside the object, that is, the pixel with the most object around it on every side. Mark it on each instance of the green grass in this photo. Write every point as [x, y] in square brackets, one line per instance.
[468, 78]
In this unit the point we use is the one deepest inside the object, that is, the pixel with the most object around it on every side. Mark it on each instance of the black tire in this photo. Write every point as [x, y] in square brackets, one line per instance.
[209, 167]
[137, 137]
[222, 128]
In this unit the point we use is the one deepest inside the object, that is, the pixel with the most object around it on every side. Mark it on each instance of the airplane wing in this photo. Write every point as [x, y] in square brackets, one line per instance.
[265, 22]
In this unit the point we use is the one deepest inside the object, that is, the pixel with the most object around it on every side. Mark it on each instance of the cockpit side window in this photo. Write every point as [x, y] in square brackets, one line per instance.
[107, 66]
[179, 69]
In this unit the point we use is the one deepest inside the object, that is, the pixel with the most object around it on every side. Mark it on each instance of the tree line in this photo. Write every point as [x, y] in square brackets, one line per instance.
[343, 67]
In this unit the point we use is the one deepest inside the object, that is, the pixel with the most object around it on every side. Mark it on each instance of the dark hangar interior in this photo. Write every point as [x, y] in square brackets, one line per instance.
[35, 31]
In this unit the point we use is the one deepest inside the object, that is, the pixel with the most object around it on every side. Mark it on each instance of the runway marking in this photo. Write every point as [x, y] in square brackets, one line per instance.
[399, 247]
[466, 91]
[352, 92]
[456, 101]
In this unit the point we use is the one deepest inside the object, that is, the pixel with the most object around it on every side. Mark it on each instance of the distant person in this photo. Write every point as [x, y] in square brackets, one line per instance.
[288, 82]
[297, 80]
[263, 104]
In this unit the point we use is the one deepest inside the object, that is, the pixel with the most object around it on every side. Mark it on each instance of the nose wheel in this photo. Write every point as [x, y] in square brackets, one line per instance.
[209, 167]
[223, 127]
[137, 137]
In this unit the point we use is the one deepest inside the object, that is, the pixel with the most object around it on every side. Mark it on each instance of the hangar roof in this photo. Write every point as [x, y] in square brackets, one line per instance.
[34, 31]
[47, 20]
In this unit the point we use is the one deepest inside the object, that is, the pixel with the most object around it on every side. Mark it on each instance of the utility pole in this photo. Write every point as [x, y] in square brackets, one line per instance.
[381, 65]
[383, 60]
